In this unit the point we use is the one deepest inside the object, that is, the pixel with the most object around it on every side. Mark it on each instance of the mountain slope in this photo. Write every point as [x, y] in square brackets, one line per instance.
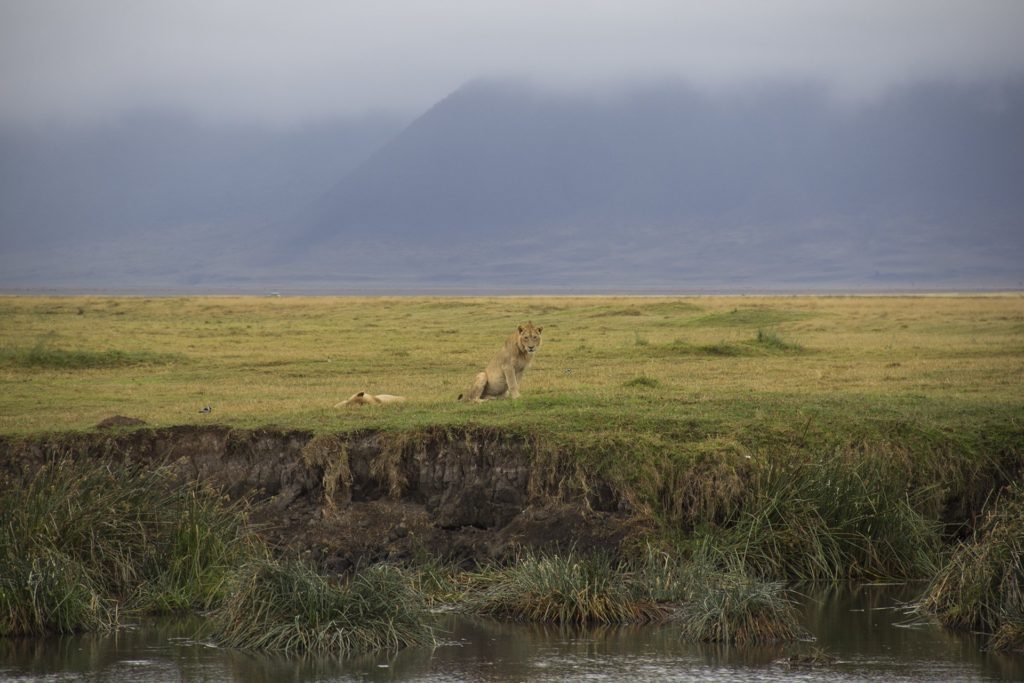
[778, 185]
[159, 198]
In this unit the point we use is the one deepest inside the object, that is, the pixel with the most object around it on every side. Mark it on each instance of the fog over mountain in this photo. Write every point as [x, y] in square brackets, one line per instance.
[506, 187]
[663, 186]
[158, 200]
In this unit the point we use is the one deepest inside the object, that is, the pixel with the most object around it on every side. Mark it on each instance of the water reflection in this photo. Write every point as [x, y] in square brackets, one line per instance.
[866, 629]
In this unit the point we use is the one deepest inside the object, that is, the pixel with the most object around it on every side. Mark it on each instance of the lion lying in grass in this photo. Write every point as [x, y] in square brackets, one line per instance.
[364, 399]
[502, 375]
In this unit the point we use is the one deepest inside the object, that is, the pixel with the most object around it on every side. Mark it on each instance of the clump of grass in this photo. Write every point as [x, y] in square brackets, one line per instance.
[722, 349]
[771, 340]
[710, 488]
[196, 554]
[643, 381]
[656, 586]
[735, 608]
[717, 605]
[681, 347]
[640, 340]
[765, 343]
[747, 317]
[45, 356]
[569, 589]
[437, 581]
[982, 585]
[846, 515]
[80, 542]
[287, 606]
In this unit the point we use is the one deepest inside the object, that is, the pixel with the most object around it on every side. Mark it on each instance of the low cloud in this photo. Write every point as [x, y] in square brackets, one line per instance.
[289, 63]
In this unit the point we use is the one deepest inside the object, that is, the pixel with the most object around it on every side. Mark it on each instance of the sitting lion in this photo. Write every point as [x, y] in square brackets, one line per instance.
[502, 375]
[362, 398]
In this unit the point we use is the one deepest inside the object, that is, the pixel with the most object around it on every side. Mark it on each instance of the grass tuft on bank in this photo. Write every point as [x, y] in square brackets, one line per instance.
[843, 515]
[286, 606]
[981, 587]
[570, 589]
[732, 607]
[585, 589]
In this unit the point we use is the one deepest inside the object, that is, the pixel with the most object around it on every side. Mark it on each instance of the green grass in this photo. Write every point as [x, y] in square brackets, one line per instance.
[735, 608]
[43, 356]
[571, 589]
[844, 515]
[750, 317]
[578, 589]
[642, 382]
[289, 607]
[287, 361]
[772, 340]
[83, 542]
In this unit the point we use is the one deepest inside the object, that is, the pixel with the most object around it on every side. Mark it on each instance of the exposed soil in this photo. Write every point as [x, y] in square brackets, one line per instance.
[343, 499]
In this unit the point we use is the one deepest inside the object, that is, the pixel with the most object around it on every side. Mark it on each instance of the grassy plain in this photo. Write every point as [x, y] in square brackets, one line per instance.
[730, 368]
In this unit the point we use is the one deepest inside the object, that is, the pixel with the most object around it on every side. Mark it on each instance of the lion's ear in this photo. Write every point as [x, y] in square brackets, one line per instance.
[520, 329]
[361, 393]
[540, 329]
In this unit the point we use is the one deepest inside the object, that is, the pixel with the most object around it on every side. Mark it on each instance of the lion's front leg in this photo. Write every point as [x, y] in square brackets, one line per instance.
[511, 381]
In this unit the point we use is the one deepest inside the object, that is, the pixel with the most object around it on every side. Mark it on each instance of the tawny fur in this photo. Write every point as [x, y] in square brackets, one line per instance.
[364, 399]
[501, 377]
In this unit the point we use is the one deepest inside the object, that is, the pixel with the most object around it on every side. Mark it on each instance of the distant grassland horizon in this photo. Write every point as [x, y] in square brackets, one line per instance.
[607, 364]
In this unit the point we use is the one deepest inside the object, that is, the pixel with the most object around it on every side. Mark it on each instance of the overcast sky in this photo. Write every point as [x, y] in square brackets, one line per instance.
[289, 62]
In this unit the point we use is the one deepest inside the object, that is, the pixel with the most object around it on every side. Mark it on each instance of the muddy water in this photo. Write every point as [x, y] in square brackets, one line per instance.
[865, 630]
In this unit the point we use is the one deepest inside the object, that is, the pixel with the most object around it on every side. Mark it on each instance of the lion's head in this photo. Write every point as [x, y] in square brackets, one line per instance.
[529, 338]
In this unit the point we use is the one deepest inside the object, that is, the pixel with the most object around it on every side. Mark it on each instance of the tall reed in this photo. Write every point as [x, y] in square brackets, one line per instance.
[845, 515]
[81, 541]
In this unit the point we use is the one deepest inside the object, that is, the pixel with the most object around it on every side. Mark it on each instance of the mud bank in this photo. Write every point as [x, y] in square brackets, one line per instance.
[345, 499]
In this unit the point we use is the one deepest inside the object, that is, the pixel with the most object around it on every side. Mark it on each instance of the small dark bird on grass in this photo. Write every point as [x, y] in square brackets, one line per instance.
[206, 409]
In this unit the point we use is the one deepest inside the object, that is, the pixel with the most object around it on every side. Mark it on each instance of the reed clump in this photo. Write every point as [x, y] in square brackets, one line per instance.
[981, 587]
[287, 606]
[81, 542]
[826, 519]
[575, 589]
[732, 607]
[570, 589]
[718, 605]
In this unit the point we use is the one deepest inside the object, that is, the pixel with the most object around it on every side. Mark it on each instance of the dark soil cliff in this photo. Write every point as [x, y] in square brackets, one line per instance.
[344, 499]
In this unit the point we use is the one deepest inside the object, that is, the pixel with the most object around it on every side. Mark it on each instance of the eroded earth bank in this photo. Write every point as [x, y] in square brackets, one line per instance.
[355, 498]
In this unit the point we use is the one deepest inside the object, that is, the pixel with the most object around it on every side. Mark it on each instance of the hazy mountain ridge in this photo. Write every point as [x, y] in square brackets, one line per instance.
[501, 185]
[491, 157]
[151, 172]
[778, 186]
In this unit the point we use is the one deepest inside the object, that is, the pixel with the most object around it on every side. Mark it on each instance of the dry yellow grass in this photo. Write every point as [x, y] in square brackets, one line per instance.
[605, 361]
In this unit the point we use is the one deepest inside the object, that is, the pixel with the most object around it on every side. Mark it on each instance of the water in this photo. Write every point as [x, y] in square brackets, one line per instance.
[865, 629]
